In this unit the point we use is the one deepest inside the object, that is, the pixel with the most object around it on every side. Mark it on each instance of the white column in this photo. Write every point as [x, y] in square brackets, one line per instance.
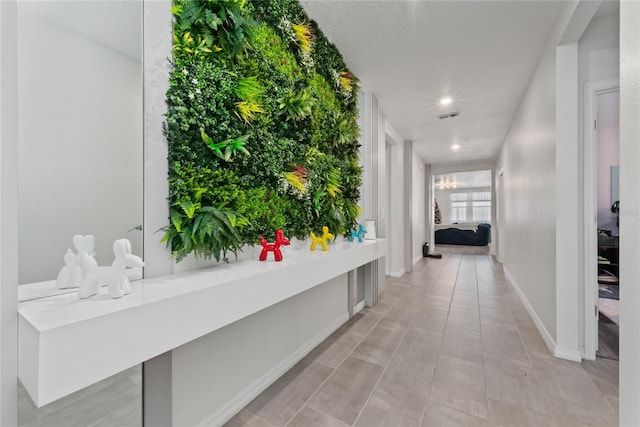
[157, 50]
[371, 160]
[8, 213]
[494, 231]
[567, 227]
[157, 372]
[157, 379]
[428, 207]
[374, 188]
[630, 213]
[408, 205]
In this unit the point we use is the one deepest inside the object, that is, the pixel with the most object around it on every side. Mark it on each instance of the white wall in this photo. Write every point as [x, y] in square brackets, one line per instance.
[629, 389]
[217, 375]
[598, 49]
[541, 163]
[527, 159]
[8, 214]
[418, 201]
[80, 140]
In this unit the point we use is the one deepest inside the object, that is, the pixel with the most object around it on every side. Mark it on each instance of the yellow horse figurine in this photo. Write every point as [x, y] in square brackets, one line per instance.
[322, 239]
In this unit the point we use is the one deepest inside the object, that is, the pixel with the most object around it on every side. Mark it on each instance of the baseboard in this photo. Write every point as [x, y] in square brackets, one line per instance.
[567, 354]
[397, 273]
[250, 392]
[544, 333]
[358, 307]
[417, 259]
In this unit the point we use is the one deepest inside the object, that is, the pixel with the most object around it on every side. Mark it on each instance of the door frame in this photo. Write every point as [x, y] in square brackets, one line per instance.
[590, 210]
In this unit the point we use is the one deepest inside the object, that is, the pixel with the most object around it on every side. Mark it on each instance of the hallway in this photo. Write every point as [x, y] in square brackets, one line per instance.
[448, 344]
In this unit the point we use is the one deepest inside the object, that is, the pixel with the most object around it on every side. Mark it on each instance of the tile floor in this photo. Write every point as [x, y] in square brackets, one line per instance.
[449, 344]
[113, 402]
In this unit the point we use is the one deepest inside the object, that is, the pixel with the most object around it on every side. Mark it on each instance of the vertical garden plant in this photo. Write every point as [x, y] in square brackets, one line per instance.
[261, 126]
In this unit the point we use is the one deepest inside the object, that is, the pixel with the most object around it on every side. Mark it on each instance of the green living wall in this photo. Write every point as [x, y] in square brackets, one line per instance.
[261, 125]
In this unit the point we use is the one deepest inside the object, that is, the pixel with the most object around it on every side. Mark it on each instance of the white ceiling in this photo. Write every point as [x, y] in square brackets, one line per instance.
[411, 53]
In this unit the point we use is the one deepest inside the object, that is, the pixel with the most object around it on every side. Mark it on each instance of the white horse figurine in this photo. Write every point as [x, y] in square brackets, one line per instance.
[114, 277]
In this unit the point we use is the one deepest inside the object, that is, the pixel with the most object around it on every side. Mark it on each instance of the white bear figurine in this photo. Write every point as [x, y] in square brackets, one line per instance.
[70, 275]
[90, 279]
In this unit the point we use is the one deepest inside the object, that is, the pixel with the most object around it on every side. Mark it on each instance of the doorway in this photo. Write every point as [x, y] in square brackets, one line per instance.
[602, 202]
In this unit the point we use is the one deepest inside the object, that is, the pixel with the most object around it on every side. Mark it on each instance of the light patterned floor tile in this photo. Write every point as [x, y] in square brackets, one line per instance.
[515, 383]
[436, 302]
[245, 418]
[462, 343]
[439, 416]
[310, 417]
[462, 318]
[377, 413]
[490, 317]
[346, 391]
[504, 415]
[504, 343]
[404, 387]
[282, 400]
[430, 320]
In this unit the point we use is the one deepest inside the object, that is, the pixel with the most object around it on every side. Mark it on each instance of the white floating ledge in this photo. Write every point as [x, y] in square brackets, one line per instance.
[66, 344]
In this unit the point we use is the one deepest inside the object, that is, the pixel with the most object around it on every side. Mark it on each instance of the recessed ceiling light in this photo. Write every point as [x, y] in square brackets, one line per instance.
[446, 100]
[455, 147]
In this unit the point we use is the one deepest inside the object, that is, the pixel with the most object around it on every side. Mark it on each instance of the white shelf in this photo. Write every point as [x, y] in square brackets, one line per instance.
[66, 344]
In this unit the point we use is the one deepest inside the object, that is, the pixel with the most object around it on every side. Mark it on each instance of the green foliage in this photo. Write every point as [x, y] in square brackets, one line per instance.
[250, 91]
[187, 44]
[272, 11]
[204, 231]
[231, 146]
[221, 24]
[297, 106]
[297, 178]
[266, 211]
[273, 53]
[257, 77]
[304, 36]
[198, 227]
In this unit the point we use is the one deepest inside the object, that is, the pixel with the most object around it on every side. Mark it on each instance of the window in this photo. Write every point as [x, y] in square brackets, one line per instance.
[473, 206]
[458, 207]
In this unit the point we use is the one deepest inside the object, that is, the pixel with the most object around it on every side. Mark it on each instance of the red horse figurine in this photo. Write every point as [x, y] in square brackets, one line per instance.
[273, 247]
